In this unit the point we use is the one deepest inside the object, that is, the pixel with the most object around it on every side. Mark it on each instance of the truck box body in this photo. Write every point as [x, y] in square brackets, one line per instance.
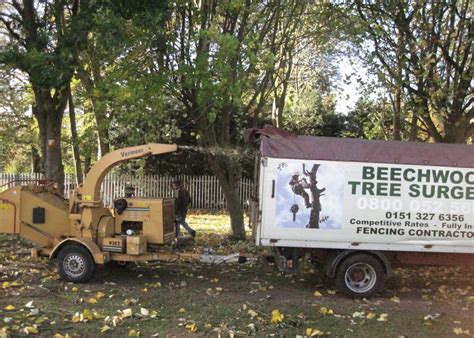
[336, 193]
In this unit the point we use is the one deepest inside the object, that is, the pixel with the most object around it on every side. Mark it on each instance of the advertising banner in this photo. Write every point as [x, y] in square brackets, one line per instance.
[369, 202]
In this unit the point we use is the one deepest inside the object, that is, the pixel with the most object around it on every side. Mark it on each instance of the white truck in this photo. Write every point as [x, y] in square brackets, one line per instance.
[359, 207]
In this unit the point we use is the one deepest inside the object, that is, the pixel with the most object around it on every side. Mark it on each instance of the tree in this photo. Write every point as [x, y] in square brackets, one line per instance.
[18, 147]
[428, 61]
[43, 39]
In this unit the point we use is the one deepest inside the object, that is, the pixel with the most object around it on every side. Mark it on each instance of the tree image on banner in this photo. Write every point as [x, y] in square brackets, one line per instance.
[299, 186]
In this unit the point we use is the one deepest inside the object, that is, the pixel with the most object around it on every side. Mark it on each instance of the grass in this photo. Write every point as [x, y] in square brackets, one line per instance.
[226, 300]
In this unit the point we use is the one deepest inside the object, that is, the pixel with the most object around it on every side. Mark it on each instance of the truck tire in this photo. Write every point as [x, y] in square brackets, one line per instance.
[360, 275]
[75, 264]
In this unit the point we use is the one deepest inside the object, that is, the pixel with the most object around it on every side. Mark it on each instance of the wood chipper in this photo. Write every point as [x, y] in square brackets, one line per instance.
[81, 232]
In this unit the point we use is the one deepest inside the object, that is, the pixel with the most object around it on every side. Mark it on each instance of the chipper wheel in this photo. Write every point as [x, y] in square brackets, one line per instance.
[75, 264]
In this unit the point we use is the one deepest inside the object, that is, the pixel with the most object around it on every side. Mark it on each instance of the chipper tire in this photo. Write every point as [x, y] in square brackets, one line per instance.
[75, 264]
[360, 276]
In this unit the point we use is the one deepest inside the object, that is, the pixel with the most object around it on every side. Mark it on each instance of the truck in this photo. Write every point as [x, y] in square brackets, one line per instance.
[359, 208]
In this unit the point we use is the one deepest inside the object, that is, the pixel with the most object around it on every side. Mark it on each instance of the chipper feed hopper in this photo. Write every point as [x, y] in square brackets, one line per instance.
[80, 232]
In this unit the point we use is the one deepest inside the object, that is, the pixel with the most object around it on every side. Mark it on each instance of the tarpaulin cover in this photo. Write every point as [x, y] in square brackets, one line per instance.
[281, 144]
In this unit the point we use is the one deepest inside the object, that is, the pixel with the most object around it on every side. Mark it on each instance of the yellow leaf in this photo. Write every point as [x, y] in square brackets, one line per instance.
[126, 313]
[133, 333]
[76, 318]
[92, 300]
[277, 316]
[15, 283]
[192, 327]
[9, 308]
[470, 299]
[309, 331]
[30, 330]
[371, 315]
[395, 299]
[99, 295]
[317, 294]
[86, 314]
[97, 315]
[383, 317]
[460, 332]
[208, 326]
[215, 280]
[153, 314]
[317, 332]
[104, 328]
[5, 285]
[182, 310]
[74, 289]
[252, 313]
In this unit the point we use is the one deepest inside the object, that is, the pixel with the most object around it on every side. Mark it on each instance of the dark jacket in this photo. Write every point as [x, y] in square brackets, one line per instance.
[183, 200]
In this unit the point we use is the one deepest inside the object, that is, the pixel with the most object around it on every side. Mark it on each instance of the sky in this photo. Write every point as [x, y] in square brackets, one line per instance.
[348, 92]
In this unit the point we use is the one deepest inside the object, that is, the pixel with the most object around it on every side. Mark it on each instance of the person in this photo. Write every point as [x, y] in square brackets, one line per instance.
[298, 186]
[182, 202]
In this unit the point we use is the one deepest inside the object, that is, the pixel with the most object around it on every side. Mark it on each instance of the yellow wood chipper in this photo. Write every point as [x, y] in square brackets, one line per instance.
[81, 232]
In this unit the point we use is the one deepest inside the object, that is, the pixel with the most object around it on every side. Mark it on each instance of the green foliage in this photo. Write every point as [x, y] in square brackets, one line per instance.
[18, 132]
[314, 114]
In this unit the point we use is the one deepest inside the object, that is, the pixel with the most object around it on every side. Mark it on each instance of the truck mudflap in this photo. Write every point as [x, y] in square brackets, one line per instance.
[99, 256]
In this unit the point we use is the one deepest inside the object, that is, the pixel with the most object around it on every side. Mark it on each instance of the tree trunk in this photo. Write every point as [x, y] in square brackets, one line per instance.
[228, 172]
[54, 169]
[41, 119]
[74, 139]
[35, 160]
[49, 114]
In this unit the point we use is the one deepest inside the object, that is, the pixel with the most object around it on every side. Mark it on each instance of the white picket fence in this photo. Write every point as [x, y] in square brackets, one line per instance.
[206, 192]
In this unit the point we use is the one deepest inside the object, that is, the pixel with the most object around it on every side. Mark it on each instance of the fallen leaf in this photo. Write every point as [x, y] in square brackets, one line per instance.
[30, 330]
[371, 315]
[325, 311]
[104, 328]
[76, 318]
[383, 317]
[92, 300]
[277, 316]
[5, 285]
[460, 332]
[358, 315]
[252, 313]
[99, 295]
[74, 289]
[182, 310]
[144, 311]
[317, 294]
[133, 333]
[192, 327]
[9, 307]
[126, 313]
[395, 299]
[316, 332]
[29, 304]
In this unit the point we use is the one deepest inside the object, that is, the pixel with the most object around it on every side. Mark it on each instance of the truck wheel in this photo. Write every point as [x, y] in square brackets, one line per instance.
[360, 275]
[75, 264]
